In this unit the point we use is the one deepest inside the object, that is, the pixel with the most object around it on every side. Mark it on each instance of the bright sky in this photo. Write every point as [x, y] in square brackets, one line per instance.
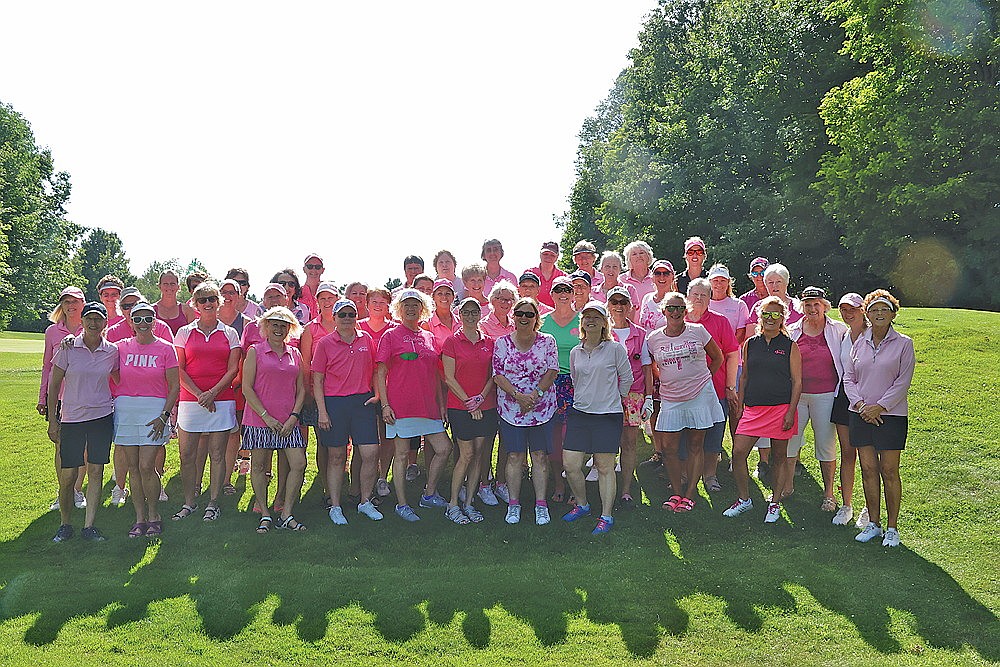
[252, 133]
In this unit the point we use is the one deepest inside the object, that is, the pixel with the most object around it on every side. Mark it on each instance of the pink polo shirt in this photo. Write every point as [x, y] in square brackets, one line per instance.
[440, 330]
[724, 336]
[274, 383]
[86, 385]
[122, 330]
[642, 286]
[318, 333]
[347, 368]
[309, 300]
[365, 325]
[545, 288]
[473, 367]
[412, 382]
[54, 335]
[206, 357]
[504, 275]
[881, 374]
[492, 327]
[144, 367]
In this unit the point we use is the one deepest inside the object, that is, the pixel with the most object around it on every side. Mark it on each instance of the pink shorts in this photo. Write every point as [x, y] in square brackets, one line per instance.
[764, 421]
[632, 406]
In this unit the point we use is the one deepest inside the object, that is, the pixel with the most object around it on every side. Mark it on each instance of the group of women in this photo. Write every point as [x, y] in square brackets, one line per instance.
[566, 369]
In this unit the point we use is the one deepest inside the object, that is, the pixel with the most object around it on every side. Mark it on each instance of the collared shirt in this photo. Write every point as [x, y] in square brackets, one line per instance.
[86, 385]
[440, 330]
[642, 286]
[634, 341]
[545, 285]
[504, 275]
[473, 367]
[596, 375]
[54, 335]
[492, 327]
[206, 357]
[881, 374]
[347, 368]
[274, 383]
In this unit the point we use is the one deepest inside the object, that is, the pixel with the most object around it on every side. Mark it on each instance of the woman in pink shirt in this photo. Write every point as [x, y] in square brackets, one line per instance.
[638, 259]
[109, 289]
[877, 381]
[497, 322]
[649, 314]
[610, 266]
[358, 293]
[208, 355]
[492, 254]
[688, 402]
[378, 322]
[445, 265]
[274, 387]
[442, 323]
[146, 394]
[168, 308]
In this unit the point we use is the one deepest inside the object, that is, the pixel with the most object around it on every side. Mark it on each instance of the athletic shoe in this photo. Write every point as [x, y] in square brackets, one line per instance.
[773, 513]
[593, 475]
[454, 513]
[513, 514]
[871, 531]
[412, 472]
[475, 516]
[92, 534]
[55, 505]
[486, 494]
[739, 507]
[382, 488]
[542, 515]
[64, 533]
[118, 496]
[603, 525]
[406, 513]
[576, 513]
[79, 500]
[828, 505]
[337, 516]
[863, 519]
[502, 494]
[843, 515]
[891, 538]
[434, 500]
[370, 511]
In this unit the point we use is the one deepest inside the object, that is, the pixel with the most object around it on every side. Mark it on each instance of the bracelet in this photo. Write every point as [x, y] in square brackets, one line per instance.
[386, 406]
[165, 415]
[296, 415]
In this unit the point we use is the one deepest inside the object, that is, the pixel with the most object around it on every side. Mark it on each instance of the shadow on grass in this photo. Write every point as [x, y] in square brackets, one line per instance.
[409, 576]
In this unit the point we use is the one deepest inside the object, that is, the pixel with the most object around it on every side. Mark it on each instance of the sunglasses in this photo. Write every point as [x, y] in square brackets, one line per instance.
[243, 283]
[770, 315]
[662, 273]
[314, 267]
[207, 299]
[128, 306]
[619, 302]
[879, 311]
[470, 312]
[525, 314]
[286, 283]
[756, 274]
[562, 289]
[695, 251]
[674, 309]
[143, 319]
[344, 314]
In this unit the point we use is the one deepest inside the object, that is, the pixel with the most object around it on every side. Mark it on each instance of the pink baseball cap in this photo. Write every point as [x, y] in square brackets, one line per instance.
[691, 243]
[662, 264]
[74, 292]
[759, 261]
[851, 299]
[562, 280]
[274, 286]
[442, 282]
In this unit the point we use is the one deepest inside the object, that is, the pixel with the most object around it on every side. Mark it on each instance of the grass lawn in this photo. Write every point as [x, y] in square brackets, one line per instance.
[660, 589]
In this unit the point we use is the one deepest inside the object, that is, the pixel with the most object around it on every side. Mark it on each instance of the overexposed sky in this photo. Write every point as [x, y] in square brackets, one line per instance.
[252, 133]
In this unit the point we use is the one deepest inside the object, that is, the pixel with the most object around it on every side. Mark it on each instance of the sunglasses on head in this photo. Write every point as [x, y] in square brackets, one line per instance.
[674, 309]
[143, 319]
[562, 289]
[771, 315]
[314, 267]
[207, 299]
[524, 314]
[346, 313]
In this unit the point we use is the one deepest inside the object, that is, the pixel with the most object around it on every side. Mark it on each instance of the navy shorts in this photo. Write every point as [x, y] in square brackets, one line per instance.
[464, 427]
[592, 433]
[93, 437]
[519, 439]
[890, 435]
[350, 419]
[840, 415]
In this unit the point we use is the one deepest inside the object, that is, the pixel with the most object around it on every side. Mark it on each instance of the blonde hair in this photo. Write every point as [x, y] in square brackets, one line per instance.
[528, 301]
[672, 295]
[294, 328]
[57, 315]
[729, 287]
[426, 306]
[207, 288]
[772, 300]
[640, 245]
[605, 328]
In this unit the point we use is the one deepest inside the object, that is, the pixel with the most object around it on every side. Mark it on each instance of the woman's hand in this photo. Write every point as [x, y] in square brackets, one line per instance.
[206, 399]
[647, 409]
[290, 425]
[477, 414]
[42, 408]
[388, 415]
[323, 421]
[273, 424]
[156, 427]
[526, 401]
[473, 402]
[872, 413]
[54, 431]
[786, 423]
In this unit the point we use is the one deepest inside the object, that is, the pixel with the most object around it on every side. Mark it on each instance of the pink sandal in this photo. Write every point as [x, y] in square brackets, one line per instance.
[672, 502]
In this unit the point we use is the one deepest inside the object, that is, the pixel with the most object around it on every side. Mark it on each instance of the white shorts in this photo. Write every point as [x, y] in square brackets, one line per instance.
[132, 414]
[193, 418]
[700, 412]
[411, 427]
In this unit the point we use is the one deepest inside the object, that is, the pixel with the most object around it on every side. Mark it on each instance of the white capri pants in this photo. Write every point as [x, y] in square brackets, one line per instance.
[817, 409]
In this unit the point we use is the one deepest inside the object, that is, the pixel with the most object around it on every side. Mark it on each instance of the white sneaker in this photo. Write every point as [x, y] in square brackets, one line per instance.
[118, 496]
[843, 515]
[541, 515]
[486, 494]
[79, 500]
[369, 510]
[863, 519]
[891, 538]
[502, 494]
[337, 515]
[773, 513]
[382, 488]
[55, 505]
[513, 514]
[739, 507]
[871, 531]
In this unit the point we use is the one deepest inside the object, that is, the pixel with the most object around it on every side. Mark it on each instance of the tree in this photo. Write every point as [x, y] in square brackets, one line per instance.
[149, 282]
[101, 254]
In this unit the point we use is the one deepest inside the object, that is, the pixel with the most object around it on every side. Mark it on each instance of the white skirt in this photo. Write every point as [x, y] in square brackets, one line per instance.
[132, 414]
[195, 419]
[412, 427]
[700, 412]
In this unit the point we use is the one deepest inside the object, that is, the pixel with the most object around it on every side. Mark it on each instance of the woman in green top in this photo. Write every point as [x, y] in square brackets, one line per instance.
[563, 324]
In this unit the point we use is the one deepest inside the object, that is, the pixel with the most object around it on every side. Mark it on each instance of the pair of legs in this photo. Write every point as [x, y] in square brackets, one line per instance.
[439, 443]
[189, 445]
[121, 466]
[515, 473]
[848, 463]
[669, 443]
[143, 480]
[816, 409]
[295, 464]
[742, 444]
[468, 469]
[67, 489]
[606, 482]
[364, 457]
[879, 470]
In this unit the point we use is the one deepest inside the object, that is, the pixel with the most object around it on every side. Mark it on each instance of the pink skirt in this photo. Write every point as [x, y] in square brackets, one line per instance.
[764, 421]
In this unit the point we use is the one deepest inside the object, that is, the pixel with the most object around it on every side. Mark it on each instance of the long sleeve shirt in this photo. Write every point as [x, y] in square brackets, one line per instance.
[597, 374]
[880, 374]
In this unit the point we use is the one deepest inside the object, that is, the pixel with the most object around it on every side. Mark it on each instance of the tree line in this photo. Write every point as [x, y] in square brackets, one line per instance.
[856, 142]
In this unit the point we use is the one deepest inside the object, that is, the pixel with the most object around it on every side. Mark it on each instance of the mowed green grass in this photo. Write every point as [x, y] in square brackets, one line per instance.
[660, 589]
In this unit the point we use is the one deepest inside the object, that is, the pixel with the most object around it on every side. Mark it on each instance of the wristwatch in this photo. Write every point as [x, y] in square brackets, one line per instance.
[539, 391]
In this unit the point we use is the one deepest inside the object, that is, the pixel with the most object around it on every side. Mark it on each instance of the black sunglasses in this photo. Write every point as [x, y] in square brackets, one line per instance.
[346, 313]
[561, 289]
[674, 309]
[524, 314]
[286, 283]
[243, 283]
[207, 299]
[314, 267]
[128, 306]
[619, 302]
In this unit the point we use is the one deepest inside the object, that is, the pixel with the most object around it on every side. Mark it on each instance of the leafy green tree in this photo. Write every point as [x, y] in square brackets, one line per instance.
[100, 254]
[149, 282]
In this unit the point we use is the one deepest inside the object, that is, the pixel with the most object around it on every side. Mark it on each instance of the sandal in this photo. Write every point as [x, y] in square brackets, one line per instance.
[291, 523]
[138, 529]
[229, 490]
[685, 505]
[185, 511]
[712, 483]
[454, 513]
[154, 528]
[264, 525]
[212, 513]
[672, 502]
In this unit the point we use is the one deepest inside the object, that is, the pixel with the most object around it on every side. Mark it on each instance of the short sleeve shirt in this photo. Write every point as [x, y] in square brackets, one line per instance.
[566, 337]
[86, 385]
[412, 382]
[206, 357]
[347, 368]
[473, 367]
[143, 368]
[524, 370]
[681, 360]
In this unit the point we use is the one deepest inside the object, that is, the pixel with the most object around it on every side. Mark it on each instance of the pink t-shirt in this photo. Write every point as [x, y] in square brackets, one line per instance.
[724, 336]
[642, 286]
[274, 383]
[492, 327]
[545, 288]
[347, 368]
[412, 382]
[524, 370]
[440, 330]
[144, 367]
[650, 316]
[733, 310]
[819, 375]
[365, 325]
[473, 367]
[87, 383]
[634, 341]
[504, 275]
[206, 358]
[681, 360]
[54, 335]
[122, 330]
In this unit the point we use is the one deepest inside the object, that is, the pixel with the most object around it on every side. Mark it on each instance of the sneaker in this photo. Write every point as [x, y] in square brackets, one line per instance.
[843, 515]
[461, 495]
[603, 525]
[576, 513]
[891, 538]
[118, 496]
[593, 475]
[773, 513]
[433, 500]
[406, 513]
[739, 507]
[513, 514]
[370, 511]
[337, 515]
[163, 495]
[55, 505]
[486, 494]
[79, 500]
[870, 532]
[92, 534]
[502, 494]
[863, 519]
[828, 505]
[64, 533]
[412, 472]
[542, 515]
[454, 513]
[382, 488]
[475, 516]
